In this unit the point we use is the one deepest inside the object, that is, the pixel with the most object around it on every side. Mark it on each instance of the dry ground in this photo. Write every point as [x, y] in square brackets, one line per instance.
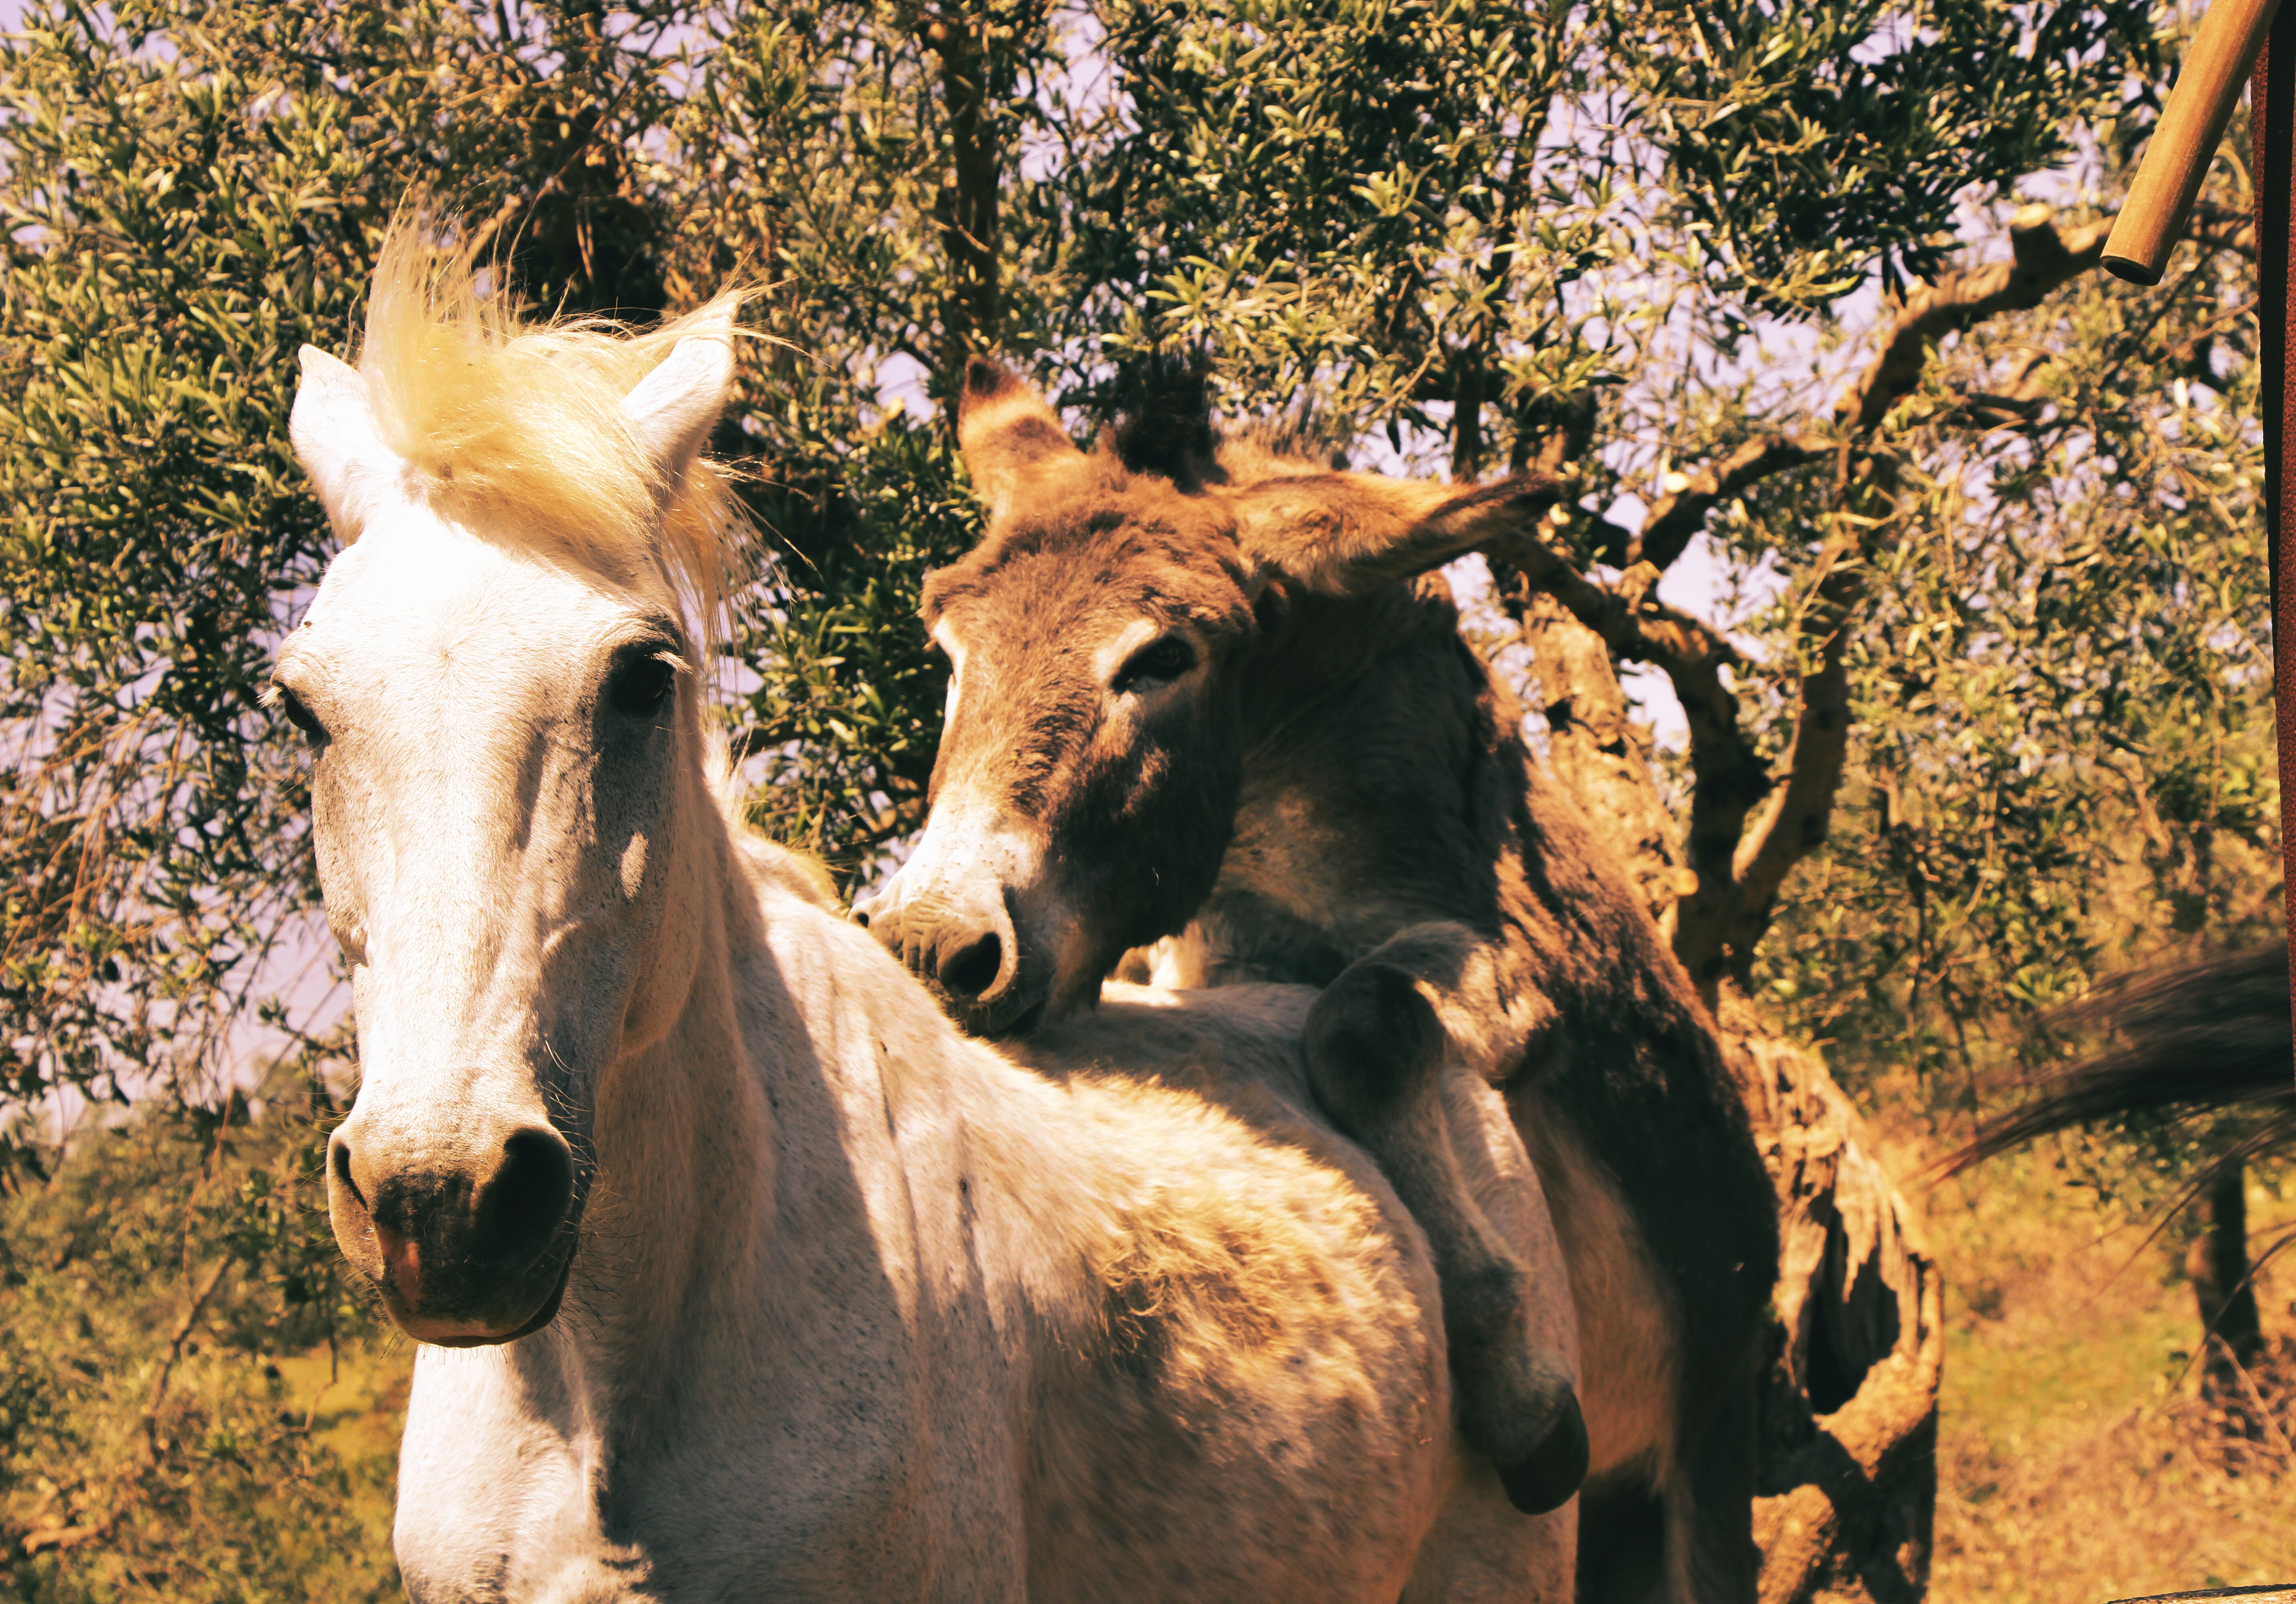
[2078, 1460]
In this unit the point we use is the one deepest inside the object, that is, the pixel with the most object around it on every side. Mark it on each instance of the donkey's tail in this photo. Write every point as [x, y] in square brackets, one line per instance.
[2199, 1038]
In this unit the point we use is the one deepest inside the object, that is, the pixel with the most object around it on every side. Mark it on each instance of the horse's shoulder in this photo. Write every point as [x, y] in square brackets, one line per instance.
[1249, 1245]
[772, 866]
[1261, 1013]
[1213, 1081]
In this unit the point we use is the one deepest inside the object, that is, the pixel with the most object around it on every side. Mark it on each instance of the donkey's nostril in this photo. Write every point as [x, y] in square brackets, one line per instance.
[971, 969]
[522, 1207]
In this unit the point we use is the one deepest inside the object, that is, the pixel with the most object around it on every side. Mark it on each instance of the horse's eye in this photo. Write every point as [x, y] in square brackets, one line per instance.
[301, 716]
[1158, 663]
[638, 687]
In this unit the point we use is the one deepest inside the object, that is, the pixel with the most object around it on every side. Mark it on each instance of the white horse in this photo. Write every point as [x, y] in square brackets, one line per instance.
[739, 1273]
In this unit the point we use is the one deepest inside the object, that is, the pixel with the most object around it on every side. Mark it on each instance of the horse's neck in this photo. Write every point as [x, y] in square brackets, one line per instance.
[947, 1158]
[813, 1141]
[685, 1133]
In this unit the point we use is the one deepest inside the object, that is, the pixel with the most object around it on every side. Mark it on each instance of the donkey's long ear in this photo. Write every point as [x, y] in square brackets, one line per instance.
[334, 433]
[1344, 533]
[671, 411]
[1012, 440]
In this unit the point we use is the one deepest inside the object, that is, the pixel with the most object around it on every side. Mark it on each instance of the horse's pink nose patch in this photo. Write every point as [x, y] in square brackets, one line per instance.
[402, 1264]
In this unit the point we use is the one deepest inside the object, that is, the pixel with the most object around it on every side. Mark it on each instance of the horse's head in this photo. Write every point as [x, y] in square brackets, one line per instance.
[1100, 639]
[498, 678]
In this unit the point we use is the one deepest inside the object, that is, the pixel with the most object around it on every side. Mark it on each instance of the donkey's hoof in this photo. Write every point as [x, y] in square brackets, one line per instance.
[1546, 1479]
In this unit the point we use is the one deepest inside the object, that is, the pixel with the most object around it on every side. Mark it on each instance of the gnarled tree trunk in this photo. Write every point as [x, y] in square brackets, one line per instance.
[1848, 1467]
[1849, 1409]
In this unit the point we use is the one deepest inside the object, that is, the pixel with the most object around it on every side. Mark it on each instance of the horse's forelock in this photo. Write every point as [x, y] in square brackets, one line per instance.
[515, 426]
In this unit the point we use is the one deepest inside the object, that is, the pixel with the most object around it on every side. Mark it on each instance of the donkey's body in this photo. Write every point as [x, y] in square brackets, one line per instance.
[1390, 815]
[1194, 697]
[744, 1276]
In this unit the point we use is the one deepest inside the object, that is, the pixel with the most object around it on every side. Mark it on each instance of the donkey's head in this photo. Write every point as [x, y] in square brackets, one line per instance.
[497, 677]
[1100, 639]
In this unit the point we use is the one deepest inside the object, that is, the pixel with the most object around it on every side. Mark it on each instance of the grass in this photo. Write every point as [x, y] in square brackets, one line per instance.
[2077, 1462]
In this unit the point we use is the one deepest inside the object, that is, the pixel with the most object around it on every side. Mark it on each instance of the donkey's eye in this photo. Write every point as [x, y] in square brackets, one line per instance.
[640, 686]
[299, 715]
[1158, 663]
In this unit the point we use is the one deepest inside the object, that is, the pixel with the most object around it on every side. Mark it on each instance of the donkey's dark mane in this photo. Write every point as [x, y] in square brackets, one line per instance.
[1164, 426]
[1163, 421]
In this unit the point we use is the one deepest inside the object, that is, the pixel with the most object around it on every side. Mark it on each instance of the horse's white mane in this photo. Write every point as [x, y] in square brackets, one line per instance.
[515, 426]
[765, 861]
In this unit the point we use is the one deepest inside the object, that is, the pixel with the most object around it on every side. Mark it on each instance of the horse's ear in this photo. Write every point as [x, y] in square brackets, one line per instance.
[1344, 533]
[334, 433]
[671, 411]
[1010, 438]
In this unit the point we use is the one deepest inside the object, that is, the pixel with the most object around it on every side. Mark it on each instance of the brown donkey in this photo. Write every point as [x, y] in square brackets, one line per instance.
[1193, 695]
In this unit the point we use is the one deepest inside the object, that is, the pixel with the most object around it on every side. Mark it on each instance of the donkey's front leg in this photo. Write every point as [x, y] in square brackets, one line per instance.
[1378, 1041]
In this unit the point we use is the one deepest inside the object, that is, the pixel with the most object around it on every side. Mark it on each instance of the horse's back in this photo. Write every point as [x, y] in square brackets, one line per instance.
[1336, 1312]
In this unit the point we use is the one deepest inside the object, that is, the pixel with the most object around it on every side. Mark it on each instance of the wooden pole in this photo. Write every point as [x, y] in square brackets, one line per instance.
[2272, 119]
[2216, 70]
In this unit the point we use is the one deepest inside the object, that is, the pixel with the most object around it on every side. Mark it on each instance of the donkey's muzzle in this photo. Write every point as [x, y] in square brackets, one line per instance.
[464, 1252]
[964, 947]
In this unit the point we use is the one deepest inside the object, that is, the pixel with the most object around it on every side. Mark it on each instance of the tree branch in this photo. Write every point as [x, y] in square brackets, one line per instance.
[1595, 747]
[966, 205]
[1738, 860]
[1728, 774]
[2214, 227]
[1677, 517]
[1631, 619]
[1793, 824]
[1739, 866]
[2041, 261]
[175, 1340]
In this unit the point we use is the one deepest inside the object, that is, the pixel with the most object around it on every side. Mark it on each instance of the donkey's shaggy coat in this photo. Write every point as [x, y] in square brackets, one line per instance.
[1193, 698]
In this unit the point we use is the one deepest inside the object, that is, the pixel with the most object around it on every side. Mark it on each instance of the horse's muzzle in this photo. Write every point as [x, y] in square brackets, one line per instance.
[464, 1253]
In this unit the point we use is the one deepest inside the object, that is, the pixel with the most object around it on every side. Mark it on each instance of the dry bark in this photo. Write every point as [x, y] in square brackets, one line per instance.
[1849, 1411]
[1599, 753]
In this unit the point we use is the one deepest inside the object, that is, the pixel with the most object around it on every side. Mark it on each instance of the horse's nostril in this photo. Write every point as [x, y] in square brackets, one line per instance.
[861, 915]
[338, 1154]
[527, 1199]
[971, 969]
